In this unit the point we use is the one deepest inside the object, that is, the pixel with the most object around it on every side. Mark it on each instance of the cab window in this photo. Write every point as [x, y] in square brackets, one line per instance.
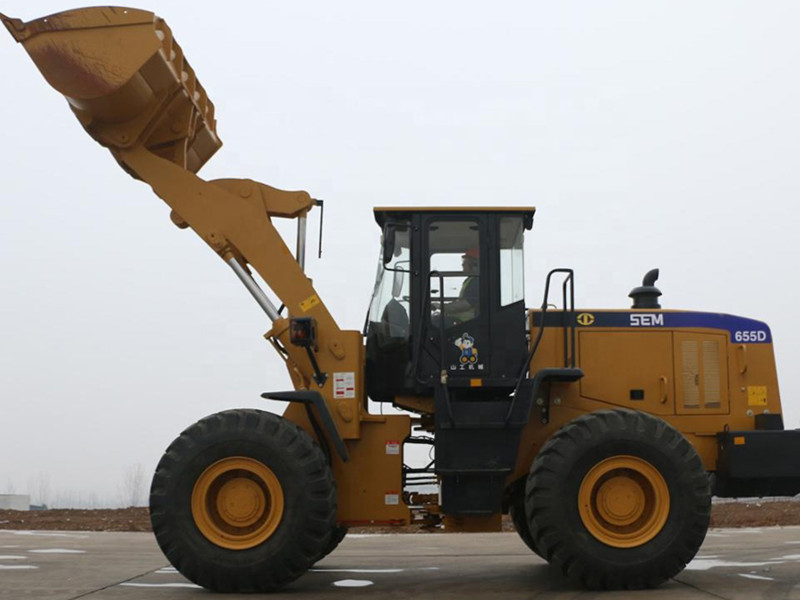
[455, 268]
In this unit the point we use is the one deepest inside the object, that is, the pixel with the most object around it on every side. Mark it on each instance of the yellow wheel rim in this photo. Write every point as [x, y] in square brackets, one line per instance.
[623, 501]
[237, 503]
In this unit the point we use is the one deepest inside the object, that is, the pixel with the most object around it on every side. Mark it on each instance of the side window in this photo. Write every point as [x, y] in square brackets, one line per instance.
[390, 307]
[455, 253]
[512, 282]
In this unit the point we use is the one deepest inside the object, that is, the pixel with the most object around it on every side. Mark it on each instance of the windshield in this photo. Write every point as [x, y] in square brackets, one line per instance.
[390, 308]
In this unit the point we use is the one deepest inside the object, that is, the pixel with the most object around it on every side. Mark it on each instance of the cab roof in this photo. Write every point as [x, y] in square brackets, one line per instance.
[381, 212]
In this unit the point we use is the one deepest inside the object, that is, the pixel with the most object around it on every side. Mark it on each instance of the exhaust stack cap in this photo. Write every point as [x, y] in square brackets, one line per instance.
[646, 295]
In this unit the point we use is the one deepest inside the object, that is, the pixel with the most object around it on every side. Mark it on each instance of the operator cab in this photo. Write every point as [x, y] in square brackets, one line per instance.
[448, 299]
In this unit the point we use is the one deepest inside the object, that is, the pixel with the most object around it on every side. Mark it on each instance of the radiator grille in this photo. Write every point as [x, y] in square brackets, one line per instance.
[711, 374]
[690, 374]
[702, 372]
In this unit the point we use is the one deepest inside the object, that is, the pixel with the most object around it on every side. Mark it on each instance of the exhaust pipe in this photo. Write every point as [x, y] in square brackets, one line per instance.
[646, 295]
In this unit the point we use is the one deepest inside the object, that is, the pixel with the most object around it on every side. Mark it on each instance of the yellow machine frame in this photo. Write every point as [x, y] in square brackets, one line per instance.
[131, 88]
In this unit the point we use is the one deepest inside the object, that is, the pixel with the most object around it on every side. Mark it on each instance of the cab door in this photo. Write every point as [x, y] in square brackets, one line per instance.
[456, 320]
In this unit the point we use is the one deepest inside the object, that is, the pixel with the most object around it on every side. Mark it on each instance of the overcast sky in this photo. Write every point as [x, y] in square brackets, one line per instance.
[647, 134]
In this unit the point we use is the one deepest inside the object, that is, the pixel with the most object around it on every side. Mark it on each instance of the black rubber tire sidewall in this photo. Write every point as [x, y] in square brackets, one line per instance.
[516, 510]
[552, 497]
[338, 534]
[307, 486]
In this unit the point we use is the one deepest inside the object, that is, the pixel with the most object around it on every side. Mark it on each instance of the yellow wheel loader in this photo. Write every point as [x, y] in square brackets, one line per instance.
[601, 432]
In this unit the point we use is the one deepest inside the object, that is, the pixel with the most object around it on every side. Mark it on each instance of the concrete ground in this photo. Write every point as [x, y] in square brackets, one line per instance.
[732, 564]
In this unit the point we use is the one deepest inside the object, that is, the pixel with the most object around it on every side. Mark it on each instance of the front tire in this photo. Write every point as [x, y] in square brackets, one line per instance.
[618, 500]
[243, 501]
[337, 535]
[516, 510]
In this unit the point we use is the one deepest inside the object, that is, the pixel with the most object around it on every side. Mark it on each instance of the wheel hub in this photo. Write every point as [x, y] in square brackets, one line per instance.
[240, 502]
[237, 503]
[623, 501]
[620, 500]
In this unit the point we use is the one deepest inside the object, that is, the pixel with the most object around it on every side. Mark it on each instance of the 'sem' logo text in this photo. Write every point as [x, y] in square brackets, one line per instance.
[646, 320]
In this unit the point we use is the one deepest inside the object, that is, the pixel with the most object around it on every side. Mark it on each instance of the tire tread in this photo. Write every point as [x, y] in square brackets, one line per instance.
[542, 499]
[309, 464]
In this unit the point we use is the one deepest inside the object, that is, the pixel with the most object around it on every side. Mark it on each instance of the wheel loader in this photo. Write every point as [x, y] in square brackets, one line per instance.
[603, 433]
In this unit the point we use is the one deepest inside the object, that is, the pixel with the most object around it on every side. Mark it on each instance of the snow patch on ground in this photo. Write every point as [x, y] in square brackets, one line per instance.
[356, 570]
[703, 564]
[373, 570]
[161, 585]
[47, 534]
[749, 530]
[352, 583]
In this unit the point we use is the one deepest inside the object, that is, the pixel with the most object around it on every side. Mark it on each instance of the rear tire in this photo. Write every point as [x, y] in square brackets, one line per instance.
[618, 500]
[243, 501]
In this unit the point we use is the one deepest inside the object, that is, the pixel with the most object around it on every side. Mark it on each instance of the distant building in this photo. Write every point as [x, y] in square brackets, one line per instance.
[15, 501]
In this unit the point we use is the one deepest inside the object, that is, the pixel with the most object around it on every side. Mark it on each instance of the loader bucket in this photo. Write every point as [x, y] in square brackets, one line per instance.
[126, 80]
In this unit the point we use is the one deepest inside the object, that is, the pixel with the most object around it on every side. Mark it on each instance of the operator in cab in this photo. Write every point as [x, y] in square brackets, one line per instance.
[465, 306]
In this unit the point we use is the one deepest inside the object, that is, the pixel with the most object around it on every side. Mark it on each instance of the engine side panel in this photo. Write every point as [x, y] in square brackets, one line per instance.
[702, 372]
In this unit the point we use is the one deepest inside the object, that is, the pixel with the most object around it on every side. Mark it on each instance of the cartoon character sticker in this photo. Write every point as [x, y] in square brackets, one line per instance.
[469, 353]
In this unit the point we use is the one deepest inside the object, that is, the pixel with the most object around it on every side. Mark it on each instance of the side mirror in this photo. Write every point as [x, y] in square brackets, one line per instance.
[388, 243]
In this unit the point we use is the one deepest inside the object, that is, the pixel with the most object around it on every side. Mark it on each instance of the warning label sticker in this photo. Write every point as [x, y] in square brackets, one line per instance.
[756, 395]
[392, 447]
[344, 385]
[392, 498]
[310, 302]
